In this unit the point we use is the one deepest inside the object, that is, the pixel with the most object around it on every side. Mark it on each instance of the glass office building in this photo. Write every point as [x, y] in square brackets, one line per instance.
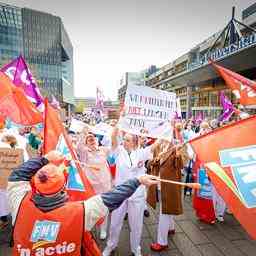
[43, 41]
[11, 34]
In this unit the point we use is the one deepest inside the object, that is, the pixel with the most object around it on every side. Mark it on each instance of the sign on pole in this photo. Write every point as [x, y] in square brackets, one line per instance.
[9, 159]
[147, 109]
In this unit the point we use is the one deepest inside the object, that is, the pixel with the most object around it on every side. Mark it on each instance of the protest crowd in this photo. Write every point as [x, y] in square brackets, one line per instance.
[59, 181]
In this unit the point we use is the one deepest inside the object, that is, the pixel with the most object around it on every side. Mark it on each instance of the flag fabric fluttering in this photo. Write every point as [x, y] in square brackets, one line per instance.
[228, 108]
[229, 155]
[199, 117]
[15, 105]
[55, 138]
[55, 103]
[21, 76]
[243, 88]
[99, 99]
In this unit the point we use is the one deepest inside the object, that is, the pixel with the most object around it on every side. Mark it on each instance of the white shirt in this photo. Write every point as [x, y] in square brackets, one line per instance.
[129, 166]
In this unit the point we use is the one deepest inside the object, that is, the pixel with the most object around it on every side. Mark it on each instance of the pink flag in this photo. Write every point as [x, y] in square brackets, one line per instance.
[99, 99]
[228, 108]
[21, 76]
[55, 103]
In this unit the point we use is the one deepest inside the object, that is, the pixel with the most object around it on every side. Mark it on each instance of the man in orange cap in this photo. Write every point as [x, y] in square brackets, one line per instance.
[45, 223]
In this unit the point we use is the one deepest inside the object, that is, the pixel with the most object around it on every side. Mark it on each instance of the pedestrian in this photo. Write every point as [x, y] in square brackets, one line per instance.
[96, 170]
[45, 223]
[167, 164]
[7, 141]
[130, 162]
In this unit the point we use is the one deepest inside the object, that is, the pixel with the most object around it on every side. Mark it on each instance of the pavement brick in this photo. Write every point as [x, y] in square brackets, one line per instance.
[209, 250]
[185, 245]
[193, 232]
[246, 247]
[222, 243]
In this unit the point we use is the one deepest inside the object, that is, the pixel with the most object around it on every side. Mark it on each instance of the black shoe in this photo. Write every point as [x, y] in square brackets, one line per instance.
[146, 213]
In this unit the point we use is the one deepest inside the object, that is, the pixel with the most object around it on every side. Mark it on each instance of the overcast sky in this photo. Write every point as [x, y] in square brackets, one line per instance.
[111, 37]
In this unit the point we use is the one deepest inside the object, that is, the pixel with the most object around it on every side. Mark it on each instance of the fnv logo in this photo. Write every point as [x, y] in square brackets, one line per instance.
[44, 236]
[243, 165]
[45, 231]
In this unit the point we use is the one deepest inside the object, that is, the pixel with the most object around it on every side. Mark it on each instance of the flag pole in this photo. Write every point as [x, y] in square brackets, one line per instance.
[183, 184]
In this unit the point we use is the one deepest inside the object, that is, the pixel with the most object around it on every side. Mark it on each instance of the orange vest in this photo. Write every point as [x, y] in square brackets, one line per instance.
[58, 232]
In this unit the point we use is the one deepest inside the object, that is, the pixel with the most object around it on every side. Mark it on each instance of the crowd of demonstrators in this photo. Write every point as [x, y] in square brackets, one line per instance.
[93, 117]
[26, 138]
[116, 165]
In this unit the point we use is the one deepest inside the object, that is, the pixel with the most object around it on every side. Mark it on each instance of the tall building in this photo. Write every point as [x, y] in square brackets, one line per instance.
[193, 78]
[134, 78]
[43, 41]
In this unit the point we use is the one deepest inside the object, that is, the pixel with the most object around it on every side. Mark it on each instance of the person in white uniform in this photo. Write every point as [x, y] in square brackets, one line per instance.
[130, 162]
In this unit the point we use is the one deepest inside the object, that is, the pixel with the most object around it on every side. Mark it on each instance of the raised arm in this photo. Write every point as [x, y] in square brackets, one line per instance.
[98, 206]
[114, 139]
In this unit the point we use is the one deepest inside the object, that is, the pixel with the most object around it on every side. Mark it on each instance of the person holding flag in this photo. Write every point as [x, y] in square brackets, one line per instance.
[167, 164]
[45, 222]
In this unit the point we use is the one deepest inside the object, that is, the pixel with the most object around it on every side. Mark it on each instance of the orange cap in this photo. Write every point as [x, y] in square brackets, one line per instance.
[49, 180]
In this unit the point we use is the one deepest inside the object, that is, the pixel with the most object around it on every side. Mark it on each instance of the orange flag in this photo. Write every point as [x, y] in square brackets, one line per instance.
[243, 88]
[15, 105]
[229, 154]
[55, 138]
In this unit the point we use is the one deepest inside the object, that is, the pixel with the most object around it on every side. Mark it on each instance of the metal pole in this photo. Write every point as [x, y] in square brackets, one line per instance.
[217, 39]
[233, 12]
[248, 27]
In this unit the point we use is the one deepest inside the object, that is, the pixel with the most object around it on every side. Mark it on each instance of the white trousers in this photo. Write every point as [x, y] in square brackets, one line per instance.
[4, 208]
[166, 223]
[218, 203]
[135, 209]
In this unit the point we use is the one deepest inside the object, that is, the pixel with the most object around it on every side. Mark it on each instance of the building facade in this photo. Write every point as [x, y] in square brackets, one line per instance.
[134, 78]
[44, 43]
[84, 104]
[195, 81]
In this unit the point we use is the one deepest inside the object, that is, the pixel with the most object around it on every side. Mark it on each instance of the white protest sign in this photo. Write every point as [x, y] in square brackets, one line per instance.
[148, 109]
[76, 125]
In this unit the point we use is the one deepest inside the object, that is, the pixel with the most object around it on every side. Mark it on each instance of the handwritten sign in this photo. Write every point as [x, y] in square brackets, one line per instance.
[148, 109]
[9, 159]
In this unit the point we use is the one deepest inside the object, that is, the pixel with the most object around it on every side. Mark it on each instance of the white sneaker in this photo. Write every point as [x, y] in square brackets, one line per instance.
[107, 251]
[220, 219]
[103, 235]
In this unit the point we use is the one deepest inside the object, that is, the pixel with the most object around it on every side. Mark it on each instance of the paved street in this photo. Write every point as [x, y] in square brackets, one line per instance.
[192, 238]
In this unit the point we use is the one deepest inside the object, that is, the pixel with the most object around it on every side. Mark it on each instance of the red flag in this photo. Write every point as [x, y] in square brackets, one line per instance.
[55, 138]
[15, 105]
[243, 88]
[229, 155]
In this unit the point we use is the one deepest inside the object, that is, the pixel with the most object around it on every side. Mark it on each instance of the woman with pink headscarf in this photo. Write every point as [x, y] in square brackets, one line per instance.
[96, 169]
